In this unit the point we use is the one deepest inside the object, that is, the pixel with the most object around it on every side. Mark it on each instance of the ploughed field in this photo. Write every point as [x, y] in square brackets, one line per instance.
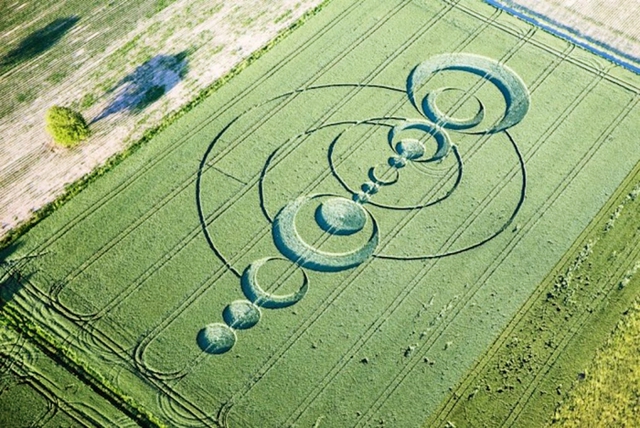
[357, 230]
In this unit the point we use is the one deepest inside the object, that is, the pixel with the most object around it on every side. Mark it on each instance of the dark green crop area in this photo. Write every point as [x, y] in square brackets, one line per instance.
[366, 227]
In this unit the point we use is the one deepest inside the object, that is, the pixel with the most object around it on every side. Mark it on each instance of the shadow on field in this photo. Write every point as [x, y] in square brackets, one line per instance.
[37, 42]
[10, 274]
[146, 84]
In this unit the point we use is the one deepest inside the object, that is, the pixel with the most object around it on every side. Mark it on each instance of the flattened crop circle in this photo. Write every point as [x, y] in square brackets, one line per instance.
[295, 248]
[216, 338]
[341, 216]
[241, 314]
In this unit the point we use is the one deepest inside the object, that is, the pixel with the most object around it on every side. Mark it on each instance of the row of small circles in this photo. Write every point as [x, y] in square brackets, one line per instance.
[218, 338]
[407, 150]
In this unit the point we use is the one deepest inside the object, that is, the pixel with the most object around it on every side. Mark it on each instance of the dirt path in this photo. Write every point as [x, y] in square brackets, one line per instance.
[125, 85]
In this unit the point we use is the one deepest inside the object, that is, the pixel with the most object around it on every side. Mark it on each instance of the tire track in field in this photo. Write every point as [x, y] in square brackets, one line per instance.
[557, 193]
[26, 376]
[19, 360]
[56, 402]
[108, 343]
[13, 352]
[527, 306]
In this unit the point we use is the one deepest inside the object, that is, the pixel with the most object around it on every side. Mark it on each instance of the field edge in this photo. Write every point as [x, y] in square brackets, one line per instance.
[586, 340]
[79, 185]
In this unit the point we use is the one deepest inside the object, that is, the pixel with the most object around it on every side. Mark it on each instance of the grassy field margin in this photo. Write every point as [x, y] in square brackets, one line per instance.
[607, 397]
[66, 358]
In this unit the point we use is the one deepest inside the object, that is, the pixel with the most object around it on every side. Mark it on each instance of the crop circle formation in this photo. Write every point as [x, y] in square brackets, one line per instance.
[409, 141]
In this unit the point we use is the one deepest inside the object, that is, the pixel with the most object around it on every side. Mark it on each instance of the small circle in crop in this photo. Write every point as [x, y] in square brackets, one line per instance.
[216, 338]
[241, 314]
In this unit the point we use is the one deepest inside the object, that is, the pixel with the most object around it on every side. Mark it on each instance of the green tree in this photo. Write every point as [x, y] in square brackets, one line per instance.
[66, 126]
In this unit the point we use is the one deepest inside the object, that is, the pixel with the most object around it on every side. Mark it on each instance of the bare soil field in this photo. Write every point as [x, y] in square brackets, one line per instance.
[123, 66]
[608, 26]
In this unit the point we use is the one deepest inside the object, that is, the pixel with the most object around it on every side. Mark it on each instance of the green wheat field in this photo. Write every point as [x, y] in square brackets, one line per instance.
[405, 214]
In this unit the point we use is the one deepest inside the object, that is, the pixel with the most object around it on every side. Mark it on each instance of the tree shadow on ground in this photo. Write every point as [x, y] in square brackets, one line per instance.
[37, 42]
[10, 285]
[11, 275]
[146, 84]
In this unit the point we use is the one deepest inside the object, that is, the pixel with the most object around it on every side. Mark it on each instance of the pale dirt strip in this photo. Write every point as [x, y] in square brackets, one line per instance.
[608, 26]
[33, 172]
